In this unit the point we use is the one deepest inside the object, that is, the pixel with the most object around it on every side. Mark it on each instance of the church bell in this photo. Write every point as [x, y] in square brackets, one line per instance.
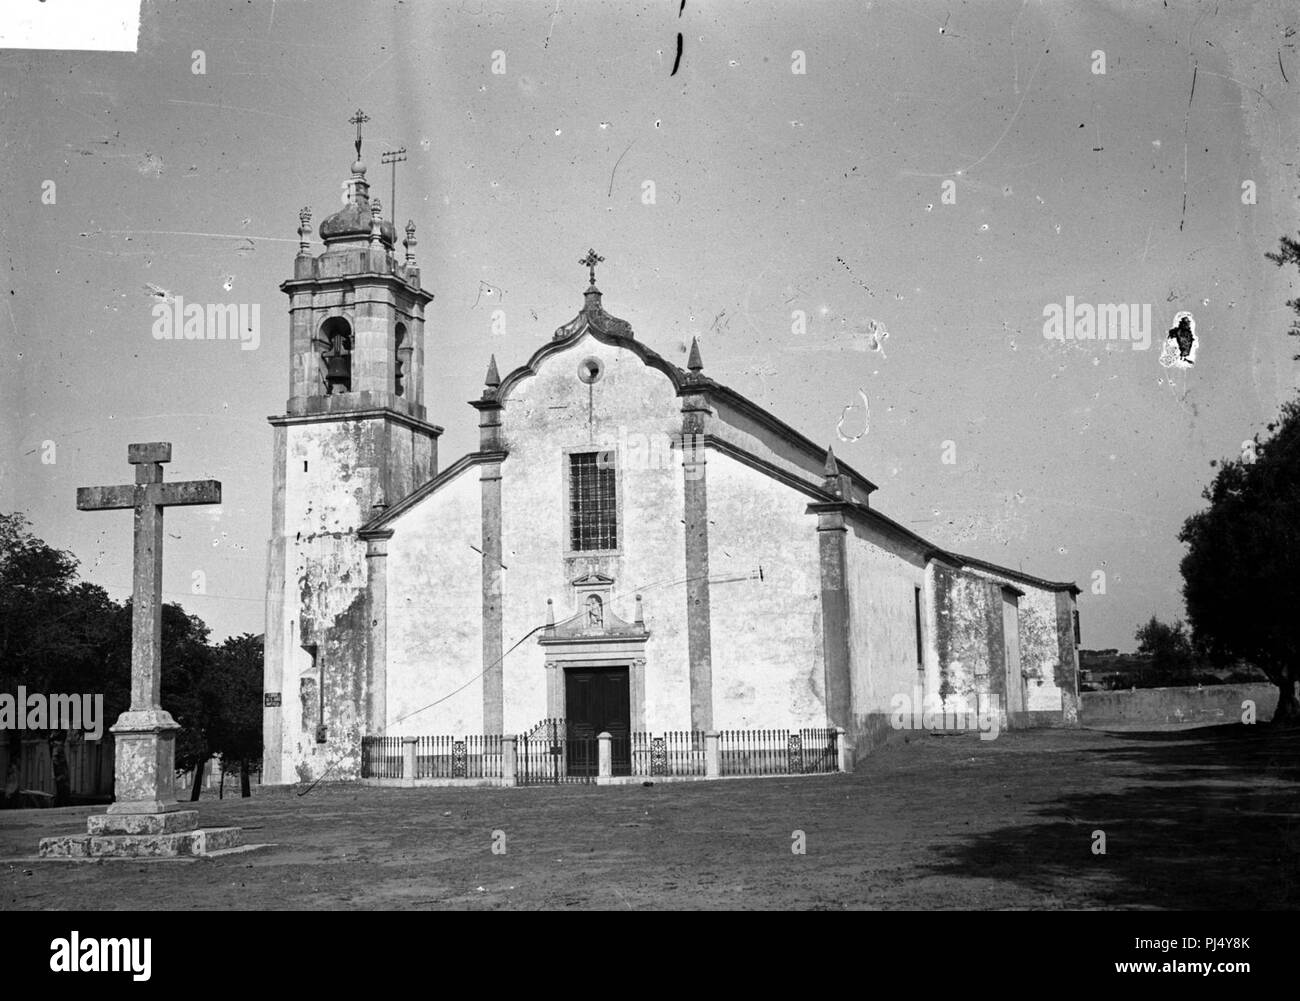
[338, 367]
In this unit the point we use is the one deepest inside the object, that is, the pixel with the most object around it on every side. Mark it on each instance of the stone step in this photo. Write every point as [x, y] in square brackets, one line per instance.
[172, 822]
[190, 844]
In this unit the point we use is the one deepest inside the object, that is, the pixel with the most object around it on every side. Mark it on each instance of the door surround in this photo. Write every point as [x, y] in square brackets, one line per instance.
[555, 694]
[595, 637]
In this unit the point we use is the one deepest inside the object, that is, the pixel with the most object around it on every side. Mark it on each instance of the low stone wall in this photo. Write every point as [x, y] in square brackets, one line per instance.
[1186, 706]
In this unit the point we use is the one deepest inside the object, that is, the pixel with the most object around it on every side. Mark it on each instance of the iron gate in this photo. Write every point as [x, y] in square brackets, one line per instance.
[548, 755]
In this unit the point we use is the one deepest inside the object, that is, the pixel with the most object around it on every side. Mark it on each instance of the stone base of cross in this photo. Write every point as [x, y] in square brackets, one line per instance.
[144, 819]
[144, 762]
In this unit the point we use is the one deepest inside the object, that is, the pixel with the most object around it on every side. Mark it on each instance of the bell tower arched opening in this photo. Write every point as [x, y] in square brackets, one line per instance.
[336, 355]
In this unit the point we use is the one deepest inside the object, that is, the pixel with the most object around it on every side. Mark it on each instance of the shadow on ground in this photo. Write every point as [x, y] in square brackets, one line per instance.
[1209, 818]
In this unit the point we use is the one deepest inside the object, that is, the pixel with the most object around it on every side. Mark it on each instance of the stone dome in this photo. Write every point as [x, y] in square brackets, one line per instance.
[352, 221]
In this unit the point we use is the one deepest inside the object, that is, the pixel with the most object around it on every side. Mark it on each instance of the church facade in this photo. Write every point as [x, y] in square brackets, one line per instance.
[633, 545]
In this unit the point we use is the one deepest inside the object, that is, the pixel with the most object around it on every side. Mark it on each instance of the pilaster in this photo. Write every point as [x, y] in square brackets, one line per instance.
[832, 544]
[695, 416]
[377, 648]
[493, 624]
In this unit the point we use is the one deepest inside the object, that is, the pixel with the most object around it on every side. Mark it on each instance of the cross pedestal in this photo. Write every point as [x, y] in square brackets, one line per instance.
[144, 819]
[144, 762]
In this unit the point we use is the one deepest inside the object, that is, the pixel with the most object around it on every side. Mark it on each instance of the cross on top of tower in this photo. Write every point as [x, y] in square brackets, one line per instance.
[358, 120]
[590, 262]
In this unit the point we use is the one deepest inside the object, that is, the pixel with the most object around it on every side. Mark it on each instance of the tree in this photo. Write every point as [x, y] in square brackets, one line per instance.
[62, 635]
[1239, 574]
[1289, 253]
[54, 630]
[236, 684]
[1169, 647]
[187, 664]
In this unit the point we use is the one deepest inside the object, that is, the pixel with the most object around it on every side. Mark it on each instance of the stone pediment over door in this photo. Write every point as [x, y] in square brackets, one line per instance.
[591, 634]
[591, 618]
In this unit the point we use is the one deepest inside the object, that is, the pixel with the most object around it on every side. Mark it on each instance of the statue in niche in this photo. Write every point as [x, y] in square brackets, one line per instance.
[595, 612]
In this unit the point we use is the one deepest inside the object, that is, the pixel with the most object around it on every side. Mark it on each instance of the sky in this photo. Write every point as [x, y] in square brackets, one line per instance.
[936, 178]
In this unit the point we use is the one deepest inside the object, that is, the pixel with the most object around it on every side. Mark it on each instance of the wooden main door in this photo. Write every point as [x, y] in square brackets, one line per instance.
[597, 700]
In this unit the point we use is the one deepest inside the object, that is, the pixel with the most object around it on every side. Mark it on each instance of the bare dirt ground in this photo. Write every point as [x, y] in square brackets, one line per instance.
[1206, 818]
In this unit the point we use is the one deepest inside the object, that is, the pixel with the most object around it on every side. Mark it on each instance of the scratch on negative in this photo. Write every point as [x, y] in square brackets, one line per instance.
[615, 170]
[551, 27]
[1186, 119]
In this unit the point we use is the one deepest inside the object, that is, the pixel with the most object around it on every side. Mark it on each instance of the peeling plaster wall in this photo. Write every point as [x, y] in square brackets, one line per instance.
[1048, 658]
[767, 635]
[276, 637]
[435, 614]
[319, 575]
[969, 634]
[544, 415]
[883, 575]
[1040, 654]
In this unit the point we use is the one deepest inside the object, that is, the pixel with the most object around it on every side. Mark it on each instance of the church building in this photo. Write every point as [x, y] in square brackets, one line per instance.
[633, 546]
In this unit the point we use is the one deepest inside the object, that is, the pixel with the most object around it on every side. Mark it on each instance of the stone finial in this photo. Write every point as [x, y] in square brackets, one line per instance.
[694, 362]
[492, 380]
[409, 242]
[835, 482]
[304, 229]
[376, 222]
[376, 208]
[640, 614]
[550, 617]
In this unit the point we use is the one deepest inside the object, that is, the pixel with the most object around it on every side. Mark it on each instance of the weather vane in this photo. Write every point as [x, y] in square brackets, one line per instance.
[358, 119]
[590, 262]
[393, 156]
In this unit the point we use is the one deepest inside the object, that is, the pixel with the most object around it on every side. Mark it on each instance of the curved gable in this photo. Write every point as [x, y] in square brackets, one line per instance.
[591, 319]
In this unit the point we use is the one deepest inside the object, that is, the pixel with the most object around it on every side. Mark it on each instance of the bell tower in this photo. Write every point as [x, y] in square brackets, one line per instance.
[356, 333]
[353, 440]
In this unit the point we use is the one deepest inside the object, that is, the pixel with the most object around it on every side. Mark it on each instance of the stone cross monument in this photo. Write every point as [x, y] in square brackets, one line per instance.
[144, 818]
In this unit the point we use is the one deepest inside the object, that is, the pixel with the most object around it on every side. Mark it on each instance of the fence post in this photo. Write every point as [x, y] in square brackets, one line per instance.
[408, 759]
[508, 759]
[845, 749]
[604, 758]
[712, 755]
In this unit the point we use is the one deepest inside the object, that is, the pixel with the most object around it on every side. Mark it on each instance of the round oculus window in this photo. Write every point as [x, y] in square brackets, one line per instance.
[590, 370]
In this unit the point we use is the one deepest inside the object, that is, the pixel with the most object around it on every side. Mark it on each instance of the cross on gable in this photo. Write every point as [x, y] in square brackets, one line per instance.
[590, 262]
[148, 495]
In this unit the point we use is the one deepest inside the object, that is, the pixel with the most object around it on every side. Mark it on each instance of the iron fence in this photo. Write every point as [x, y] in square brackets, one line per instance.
[777, 752]
[381, 757]
[820, 751]
[551, 753]
[468, 757]
[677, 752]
